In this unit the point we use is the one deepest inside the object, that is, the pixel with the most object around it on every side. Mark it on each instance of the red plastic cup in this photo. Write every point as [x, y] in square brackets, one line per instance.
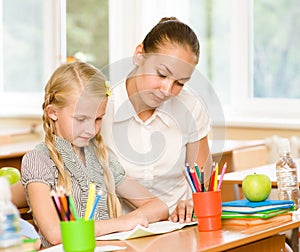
[208, 210]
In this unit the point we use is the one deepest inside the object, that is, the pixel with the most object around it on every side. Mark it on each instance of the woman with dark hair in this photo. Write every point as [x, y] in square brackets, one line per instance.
[153, 123]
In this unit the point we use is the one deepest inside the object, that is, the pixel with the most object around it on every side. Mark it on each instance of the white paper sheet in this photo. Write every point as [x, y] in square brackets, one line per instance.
[140, 231]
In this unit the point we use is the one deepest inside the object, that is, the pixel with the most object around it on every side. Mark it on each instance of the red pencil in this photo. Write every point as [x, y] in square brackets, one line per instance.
[212, 179]
[195, 180]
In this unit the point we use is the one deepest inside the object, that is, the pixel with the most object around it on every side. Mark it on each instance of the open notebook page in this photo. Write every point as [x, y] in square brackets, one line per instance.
[140, 231]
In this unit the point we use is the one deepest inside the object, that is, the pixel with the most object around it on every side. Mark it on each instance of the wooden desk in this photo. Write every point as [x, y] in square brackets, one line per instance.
[189, 239]
[228, 239]
[236, 178]
[11, 154]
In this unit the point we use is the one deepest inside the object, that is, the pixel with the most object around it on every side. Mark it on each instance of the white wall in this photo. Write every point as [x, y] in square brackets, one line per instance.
[131, 20]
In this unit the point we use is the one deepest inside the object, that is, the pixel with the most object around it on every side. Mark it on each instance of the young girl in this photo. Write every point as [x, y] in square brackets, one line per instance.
[73, 156]
[153, 123]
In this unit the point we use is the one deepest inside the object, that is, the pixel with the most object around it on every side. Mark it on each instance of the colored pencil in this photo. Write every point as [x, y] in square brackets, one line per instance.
[98, 197]
[222, 175]
[57, 205]
[216, 177]
[202, 180]
[90, 201]
[212, 178]
[73, 208]
[189, 180]
[195, 179]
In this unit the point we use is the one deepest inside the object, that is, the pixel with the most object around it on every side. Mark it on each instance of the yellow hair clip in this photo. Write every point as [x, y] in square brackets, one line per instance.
[108, 91]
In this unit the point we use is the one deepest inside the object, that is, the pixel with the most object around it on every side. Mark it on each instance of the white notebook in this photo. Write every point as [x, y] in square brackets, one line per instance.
[140, 231]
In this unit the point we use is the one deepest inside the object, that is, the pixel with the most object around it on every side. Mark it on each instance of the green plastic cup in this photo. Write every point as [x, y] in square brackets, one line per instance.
[78, 236]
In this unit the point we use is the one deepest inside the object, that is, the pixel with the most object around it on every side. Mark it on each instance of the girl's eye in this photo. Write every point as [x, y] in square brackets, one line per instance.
[79, 119]
[161, 75]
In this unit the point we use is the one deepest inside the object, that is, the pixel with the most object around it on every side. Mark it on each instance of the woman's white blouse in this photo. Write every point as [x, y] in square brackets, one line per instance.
[154, 152]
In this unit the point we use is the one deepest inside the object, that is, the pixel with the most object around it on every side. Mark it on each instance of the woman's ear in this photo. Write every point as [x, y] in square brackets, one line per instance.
[52, 112]
[138, 55]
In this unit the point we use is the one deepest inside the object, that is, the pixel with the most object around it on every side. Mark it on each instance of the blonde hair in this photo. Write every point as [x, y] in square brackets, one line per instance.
[70, 80]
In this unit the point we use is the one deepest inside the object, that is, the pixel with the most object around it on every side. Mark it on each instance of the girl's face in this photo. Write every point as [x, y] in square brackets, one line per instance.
[81, 120]
[163, 75]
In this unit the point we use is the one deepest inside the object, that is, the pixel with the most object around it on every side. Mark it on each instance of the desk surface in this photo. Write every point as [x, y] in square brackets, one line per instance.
[14, 150]
[189, 239]
[269, 170]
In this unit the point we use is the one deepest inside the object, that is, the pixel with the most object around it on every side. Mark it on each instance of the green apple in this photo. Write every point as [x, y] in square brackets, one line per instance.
[256, 187]
[12, 174]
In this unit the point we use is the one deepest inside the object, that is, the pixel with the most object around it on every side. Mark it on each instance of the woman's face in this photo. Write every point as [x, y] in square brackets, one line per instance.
[163, 75]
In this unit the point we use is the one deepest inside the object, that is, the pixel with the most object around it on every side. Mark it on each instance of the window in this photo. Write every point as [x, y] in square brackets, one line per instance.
[87, 31]
[243, 44]
[265, 52]
[249, 49]
[33, 43]
[29, 50]
[276, 49]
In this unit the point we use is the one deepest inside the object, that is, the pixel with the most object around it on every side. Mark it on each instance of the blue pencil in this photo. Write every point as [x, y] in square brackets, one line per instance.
[97, 199]
[187, 175]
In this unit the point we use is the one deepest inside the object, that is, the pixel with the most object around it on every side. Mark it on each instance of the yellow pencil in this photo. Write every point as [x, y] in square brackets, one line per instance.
[90, 201]
[216, 177]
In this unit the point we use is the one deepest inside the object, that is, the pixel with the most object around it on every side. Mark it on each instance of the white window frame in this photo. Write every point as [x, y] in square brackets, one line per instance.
[246, 110]
[242, 110]
[129, 21]
[29, 104]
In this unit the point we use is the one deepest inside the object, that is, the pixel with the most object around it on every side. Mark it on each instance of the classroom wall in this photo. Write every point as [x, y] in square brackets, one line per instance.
[235, 132]
[11, 130]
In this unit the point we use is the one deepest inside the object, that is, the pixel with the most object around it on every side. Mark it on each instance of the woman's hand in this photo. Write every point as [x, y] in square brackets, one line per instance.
[183, 211]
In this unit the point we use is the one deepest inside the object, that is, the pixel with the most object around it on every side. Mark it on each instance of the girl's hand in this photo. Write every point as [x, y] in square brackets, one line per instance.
[123, 223]
[132, 219]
